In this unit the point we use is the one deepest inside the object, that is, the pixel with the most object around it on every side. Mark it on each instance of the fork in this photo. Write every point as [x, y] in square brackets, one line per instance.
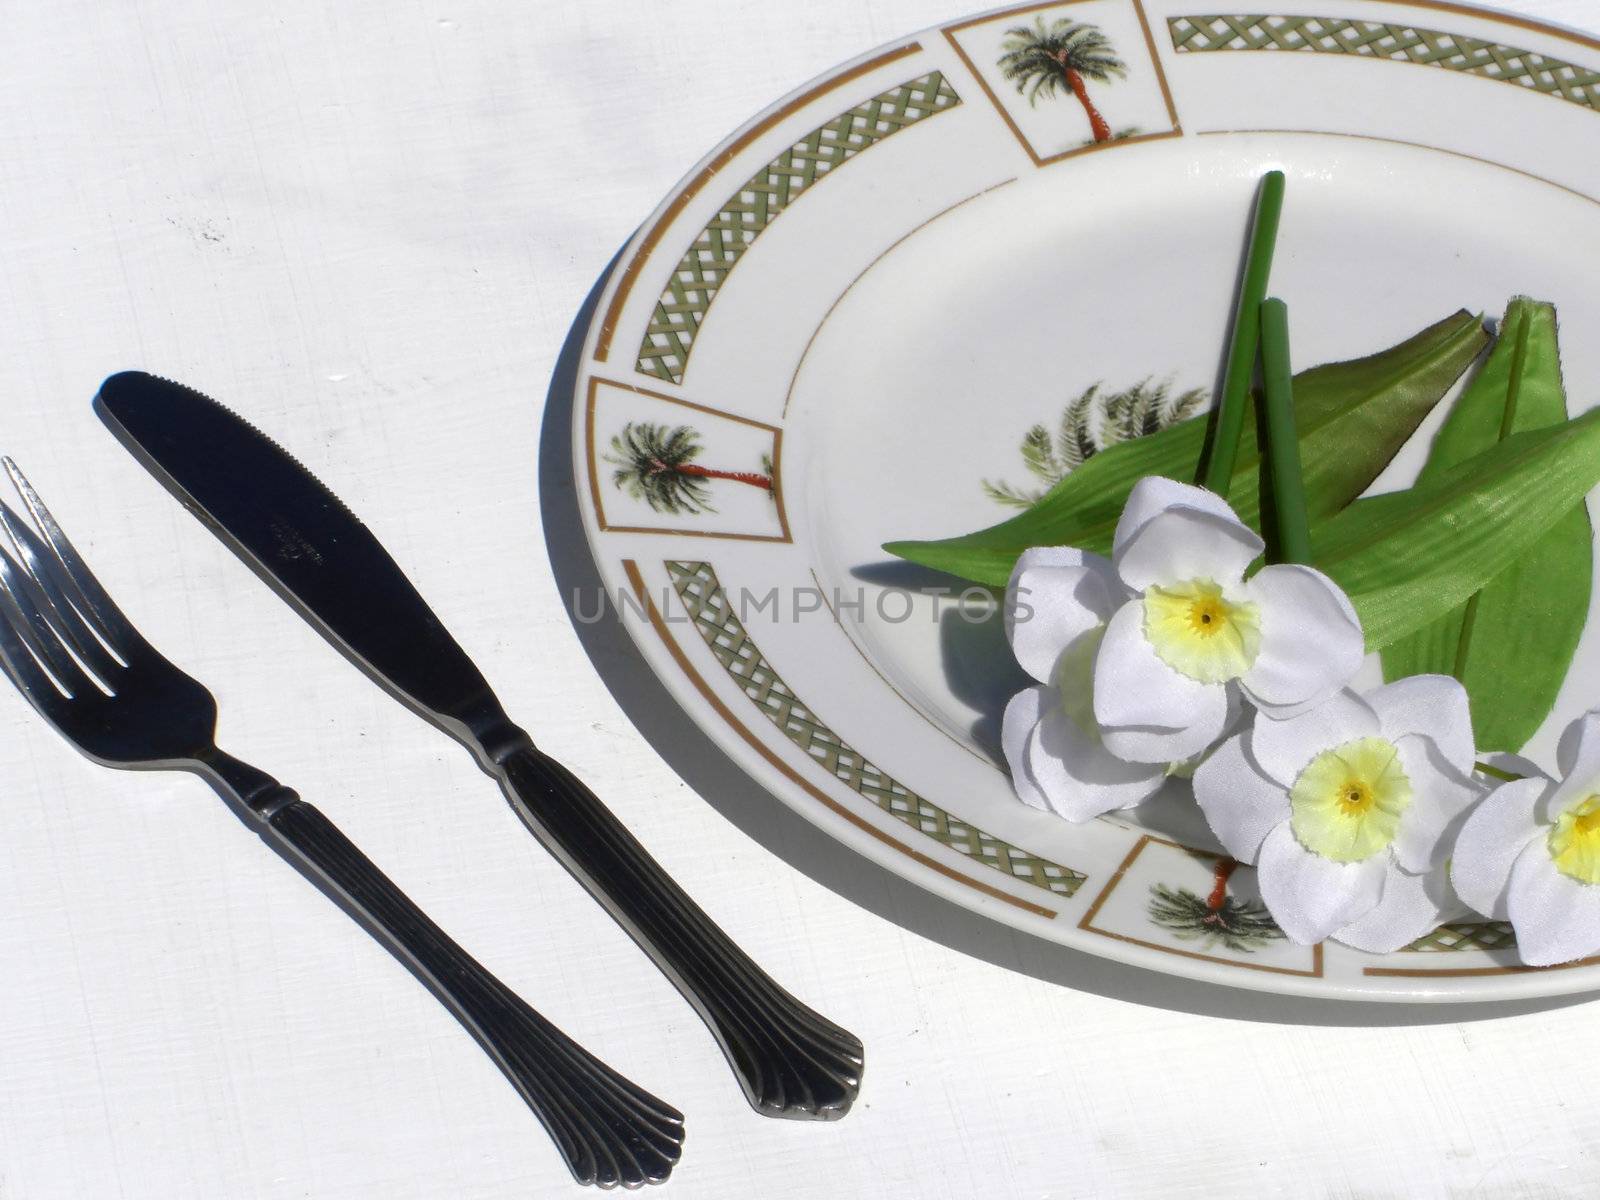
[88, 672]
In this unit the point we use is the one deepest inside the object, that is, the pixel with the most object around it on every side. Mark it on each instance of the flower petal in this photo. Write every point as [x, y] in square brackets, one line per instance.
[1410, 906]
[1311, 642]
[1435, 705]
[1580, 741]
[1056, 594]
[1240, 802]
[1186, 543]
[1147, 711]
[1578, 755]
[1283, 747]
[1016, 727]
[1176, 747]
[1056, 556]
[1494, 834]
[1311, 896]
[1153, 495]
[1441, 798]
[1556, 917]
[1078, 777]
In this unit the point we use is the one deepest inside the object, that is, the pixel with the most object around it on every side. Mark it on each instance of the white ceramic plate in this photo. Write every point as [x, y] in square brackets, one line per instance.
[858, 304]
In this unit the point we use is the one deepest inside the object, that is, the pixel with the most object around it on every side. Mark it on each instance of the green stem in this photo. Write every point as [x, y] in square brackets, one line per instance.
[1283, 448]
[1217, 469]
[1496, 773]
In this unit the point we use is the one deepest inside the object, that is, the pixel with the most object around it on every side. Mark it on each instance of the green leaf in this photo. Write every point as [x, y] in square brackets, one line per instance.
[1512, 643]
[1407, 558]
[1352, 418]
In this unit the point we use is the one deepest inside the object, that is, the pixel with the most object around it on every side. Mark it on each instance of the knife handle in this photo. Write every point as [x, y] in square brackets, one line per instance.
[608, 1130]
[791, 1061]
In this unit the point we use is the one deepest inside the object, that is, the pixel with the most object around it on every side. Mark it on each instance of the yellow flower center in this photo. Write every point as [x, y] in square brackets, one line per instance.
[1206, 616]
[1357, 798]
[1347, 803]
[1575, 841]
[1199, 632]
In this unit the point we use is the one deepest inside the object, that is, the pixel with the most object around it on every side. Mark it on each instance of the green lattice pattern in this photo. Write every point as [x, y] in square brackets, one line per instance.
[1398, 43]
[664, 352]
[1468, 935]
[701, 592]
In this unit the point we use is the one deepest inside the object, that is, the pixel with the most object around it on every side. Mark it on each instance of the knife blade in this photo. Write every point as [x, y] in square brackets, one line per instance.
[319, 556]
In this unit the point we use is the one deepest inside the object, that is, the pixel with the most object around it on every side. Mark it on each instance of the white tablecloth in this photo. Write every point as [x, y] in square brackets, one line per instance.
[371, 224]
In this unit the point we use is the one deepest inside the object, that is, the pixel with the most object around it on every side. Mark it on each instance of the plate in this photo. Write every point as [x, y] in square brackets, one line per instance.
[840, 326]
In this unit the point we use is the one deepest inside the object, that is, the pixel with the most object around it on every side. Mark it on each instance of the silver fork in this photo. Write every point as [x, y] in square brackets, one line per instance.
[72, 653]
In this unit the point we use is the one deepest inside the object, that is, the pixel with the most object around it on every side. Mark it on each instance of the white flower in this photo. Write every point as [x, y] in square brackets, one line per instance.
[1348, 810]
[1530, 853]
[1189, 632]
[1057, 606]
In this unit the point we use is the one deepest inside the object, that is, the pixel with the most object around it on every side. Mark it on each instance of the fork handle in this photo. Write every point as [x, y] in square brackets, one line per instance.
[608, 1130]
[791, 1061]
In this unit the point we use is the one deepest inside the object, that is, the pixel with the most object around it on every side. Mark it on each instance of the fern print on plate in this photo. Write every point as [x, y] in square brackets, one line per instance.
[1195, 904]
[1071, 77]
[658, 464]
[1096, 420]
[1237, 923]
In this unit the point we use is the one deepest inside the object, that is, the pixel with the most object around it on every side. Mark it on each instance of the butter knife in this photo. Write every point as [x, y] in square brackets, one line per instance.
[296, 534]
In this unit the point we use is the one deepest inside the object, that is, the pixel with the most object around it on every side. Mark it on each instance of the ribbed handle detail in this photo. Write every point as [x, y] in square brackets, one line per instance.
[791, 1061]
[607, 1129]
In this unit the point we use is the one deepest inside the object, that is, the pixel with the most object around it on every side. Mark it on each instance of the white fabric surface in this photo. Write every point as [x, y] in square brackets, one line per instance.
[371, 224]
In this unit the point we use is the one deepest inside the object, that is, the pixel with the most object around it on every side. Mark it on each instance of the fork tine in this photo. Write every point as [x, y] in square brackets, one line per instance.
[83, 588]
[22, 668]
[38, 563]
[29, 626]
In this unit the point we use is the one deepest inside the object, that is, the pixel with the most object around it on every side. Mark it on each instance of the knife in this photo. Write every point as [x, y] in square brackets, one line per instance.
[296, 534]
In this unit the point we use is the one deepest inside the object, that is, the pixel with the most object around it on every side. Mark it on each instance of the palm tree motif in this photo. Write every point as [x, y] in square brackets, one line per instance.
[1095, 421]
[656, 464]
[1046, 59]
[1238, 925]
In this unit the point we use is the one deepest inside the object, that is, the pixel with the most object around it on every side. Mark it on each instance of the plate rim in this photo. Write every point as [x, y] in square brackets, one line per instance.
[695, 696]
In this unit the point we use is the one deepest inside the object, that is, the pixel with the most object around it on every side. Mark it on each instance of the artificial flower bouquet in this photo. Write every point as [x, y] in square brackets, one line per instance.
[1214, 630]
